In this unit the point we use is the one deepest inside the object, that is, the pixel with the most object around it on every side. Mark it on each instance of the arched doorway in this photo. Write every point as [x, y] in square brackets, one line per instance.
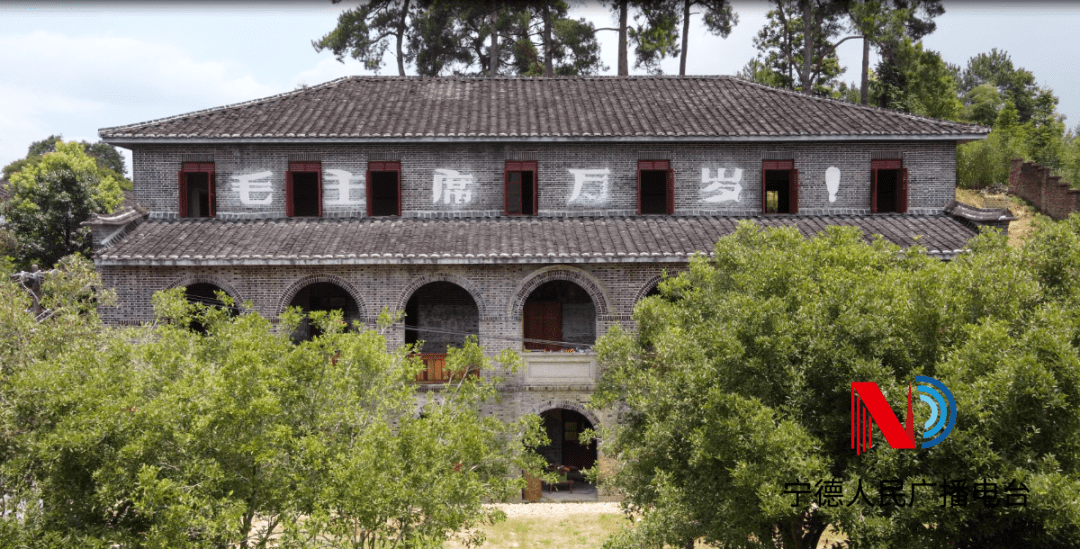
[441, 315]
[322, 296]
[563, 427]
[204, 293]
[559, 311]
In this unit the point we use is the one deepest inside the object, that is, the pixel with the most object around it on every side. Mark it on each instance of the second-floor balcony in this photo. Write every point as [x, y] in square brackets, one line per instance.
[435, 370]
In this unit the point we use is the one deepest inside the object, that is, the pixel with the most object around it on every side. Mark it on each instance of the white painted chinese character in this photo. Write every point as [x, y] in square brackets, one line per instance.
[590, 185]
[727, 188]
[452, 187]
[340, 180]
[832, 182]
[246, 184]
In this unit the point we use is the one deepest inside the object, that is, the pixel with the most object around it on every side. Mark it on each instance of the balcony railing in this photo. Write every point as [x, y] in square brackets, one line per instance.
[435, 370]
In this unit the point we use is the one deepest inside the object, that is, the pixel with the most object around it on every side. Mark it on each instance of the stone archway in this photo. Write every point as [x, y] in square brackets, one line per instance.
[570, 274]
[416, 284]
[290, 293]
[189, 281]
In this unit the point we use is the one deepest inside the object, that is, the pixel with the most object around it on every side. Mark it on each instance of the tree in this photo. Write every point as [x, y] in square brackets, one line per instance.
[106, 157]
[987, 162]
[548, 43]
[164, 436]
[737, 385]
[718, 17]
[796, 49]
[917, 81]
[996, 68]
[884, 23]
[656, 33]
[364, 33]
[51, 198]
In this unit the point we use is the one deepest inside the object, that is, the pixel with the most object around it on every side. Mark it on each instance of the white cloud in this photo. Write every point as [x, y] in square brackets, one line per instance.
[75, 84]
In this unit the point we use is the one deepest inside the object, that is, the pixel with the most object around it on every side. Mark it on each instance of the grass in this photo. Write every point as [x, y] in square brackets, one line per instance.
[587, 531]
[1020, 229]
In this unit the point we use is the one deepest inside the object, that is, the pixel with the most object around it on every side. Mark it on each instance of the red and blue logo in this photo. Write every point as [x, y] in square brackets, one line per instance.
[868, 406]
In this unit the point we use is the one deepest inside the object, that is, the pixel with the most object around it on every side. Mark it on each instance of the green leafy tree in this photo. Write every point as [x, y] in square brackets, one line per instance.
[738, 382]
[884, 23]
[996, 68]
[1071, 157]
[233, 436]
[795, 46]
[987, 162]
[365, 32]
[917, 81]
[106, 157]
[51, 198]
[549, 43]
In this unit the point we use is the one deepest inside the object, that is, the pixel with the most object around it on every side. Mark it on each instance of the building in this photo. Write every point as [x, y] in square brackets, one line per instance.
[511, 208]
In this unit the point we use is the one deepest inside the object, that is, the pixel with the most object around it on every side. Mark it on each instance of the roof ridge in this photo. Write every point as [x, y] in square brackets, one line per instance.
[298, 91]
[844, 103]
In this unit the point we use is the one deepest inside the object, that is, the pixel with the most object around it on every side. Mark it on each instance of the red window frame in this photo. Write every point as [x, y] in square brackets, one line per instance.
[182, 188]
[658, 165]
[520, 166]
[382, 166]
[901, 193]
[302, 167]
[793, 183]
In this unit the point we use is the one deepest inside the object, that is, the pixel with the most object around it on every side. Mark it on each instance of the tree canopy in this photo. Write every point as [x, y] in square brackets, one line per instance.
[737, 385]
[50, 199]
[233, 436]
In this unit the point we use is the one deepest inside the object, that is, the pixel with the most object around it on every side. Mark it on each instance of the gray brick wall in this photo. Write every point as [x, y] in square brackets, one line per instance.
[932, 167]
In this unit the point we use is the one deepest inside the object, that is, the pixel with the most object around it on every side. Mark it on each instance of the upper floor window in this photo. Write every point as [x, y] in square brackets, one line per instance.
[383, 184]
[656, 187]
[303, 189]
[888, 186]
[196, 190]
[521, 189]
[779, 187]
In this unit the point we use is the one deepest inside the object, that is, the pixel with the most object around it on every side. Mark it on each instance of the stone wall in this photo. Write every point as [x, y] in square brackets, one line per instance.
[573, 178]
[1045, 192]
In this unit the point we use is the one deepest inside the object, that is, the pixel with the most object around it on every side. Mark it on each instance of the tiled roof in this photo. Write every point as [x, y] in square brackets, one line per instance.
[464, 108]
[507, 240]
[978, 215]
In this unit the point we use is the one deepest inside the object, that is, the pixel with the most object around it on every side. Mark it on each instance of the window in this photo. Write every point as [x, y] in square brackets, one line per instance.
[656, 187]
[384, 188]
[779, 187]
[521, 188]
[196, 190]
[888, 186]
[303, 189]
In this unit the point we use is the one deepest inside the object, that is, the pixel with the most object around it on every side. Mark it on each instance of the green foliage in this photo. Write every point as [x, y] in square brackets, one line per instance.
[364, 32]
[738, 381]
[655, 34]
[163, 436]
[574, 47]
[782, 50]
[51, 198]
[996, 68]
[917, 81]
[982, 104]
[986, 163]
[107, 158]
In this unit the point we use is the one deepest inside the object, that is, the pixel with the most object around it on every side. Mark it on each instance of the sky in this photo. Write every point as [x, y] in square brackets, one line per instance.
[71, 68]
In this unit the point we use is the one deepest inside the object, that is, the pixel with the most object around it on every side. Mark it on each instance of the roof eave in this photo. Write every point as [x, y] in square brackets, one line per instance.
[134, 140]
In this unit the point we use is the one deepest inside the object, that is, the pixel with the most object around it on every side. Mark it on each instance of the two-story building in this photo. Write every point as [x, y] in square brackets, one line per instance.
[533, 212]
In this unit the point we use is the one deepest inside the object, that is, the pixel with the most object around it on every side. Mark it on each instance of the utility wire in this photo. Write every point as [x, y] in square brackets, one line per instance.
[217, 303]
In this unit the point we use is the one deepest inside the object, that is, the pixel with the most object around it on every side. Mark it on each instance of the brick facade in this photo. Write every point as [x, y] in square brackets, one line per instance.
[931, 164]
[1046, 192]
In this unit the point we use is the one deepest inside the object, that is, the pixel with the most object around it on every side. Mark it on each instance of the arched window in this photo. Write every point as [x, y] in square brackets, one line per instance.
[559, 315]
